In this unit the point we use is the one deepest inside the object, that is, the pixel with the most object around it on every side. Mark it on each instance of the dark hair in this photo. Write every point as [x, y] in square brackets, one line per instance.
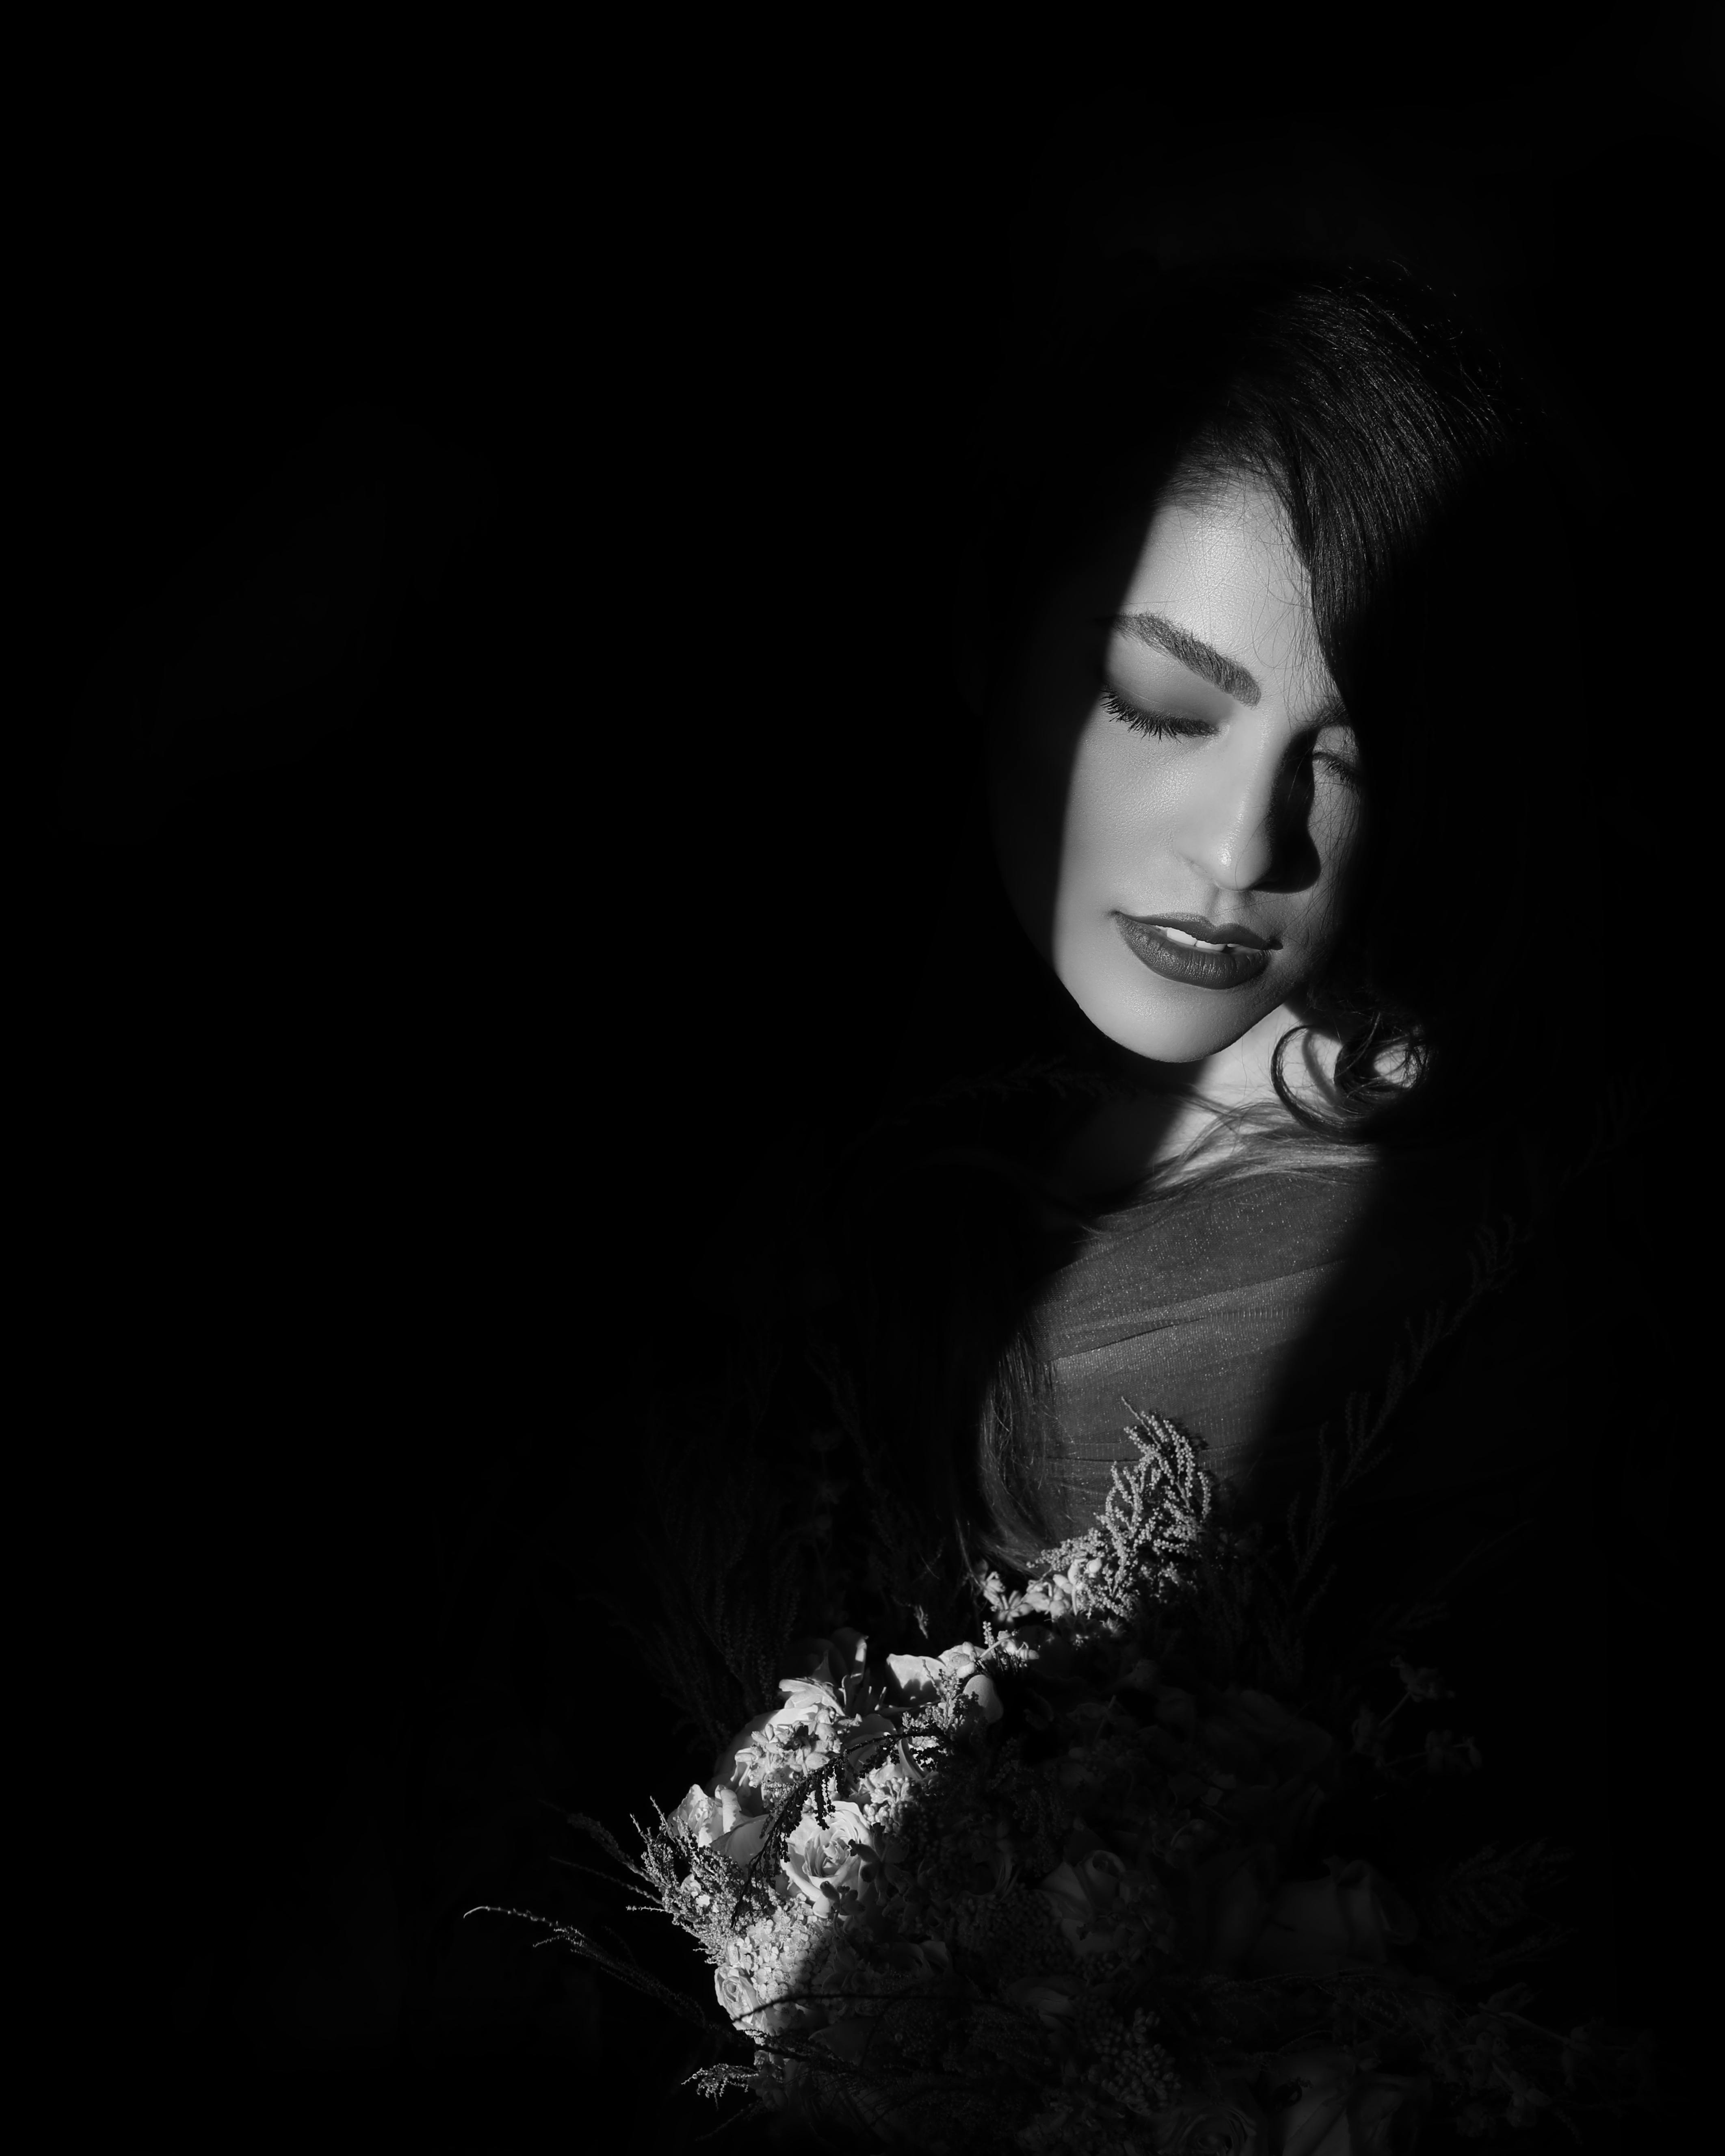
[1442, 526]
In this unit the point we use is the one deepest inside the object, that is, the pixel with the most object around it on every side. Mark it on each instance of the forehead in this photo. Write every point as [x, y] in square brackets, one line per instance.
[1228, 572]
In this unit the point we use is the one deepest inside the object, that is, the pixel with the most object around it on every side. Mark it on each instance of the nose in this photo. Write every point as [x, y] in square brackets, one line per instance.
[1230, 824]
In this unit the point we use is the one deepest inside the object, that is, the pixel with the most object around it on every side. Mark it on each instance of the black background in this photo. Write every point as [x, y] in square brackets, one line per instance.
[384, 1080]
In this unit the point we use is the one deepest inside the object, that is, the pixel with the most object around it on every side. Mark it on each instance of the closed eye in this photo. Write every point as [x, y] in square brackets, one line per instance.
[1158, 725]
[1153, 722]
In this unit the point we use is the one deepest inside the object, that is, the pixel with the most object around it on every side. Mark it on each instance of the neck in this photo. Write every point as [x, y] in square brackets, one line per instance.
[1238, 1075]
[1161, 1107]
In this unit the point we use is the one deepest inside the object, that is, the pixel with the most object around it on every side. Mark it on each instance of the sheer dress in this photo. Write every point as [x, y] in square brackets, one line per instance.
[1253, 1314]
[1524, 1469]
[1246, 1313]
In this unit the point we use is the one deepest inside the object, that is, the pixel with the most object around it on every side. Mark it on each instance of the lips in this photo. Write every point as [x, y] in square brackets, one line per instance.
[1163, 946]
[1231, 934]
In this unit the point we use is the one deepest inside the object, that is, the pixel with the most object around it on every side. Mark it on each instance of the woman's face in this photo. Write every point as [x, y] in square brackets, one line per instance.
[1167, 741]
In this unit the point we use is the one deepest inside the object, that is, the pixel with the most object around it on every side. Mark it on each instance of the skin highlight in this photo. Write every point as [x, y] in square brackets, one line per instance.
[1248, 815]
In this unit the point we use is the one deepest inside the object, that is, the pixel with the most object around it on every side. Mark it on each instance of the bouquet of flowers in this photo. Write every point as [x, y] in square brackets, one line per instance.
[1056, 1890]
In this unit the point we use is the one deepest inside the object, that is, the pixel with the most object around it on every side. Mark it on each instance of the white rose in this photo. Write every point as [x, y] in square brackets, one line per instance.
[697, 1818]
[1085, 1900]
[824, 1861]
[735, 1994]
[743, 1841]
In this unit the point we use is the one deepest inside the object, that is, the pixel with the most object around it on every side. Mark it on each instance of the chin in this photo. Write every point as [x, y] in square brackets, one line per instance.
[1175, 1045]
[1162, 1021]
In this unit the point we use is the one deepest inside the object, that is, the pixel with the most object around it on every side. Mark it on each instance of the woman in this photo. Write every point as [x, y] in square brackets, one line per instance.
[1259, 1078]
[1258, 664]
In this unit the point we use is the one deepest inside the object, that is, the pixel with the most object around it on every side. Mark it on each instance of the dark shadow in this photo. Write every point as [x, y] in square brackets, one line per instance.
[261, 649]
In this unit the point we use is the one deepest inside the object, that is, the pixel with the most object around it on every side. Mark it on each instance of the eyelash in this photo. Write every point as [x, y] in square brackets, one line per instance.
[1149, 722]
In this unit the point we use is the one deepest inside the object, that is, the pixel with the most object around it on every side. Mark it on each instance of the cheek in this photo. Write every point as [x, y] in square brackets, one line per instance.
[1116, 806]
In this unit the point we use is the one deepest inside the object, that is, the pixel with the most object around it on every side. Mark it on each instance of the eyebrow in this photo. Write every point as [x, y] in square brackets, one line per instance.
[1220, 671]
[1192, 654]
